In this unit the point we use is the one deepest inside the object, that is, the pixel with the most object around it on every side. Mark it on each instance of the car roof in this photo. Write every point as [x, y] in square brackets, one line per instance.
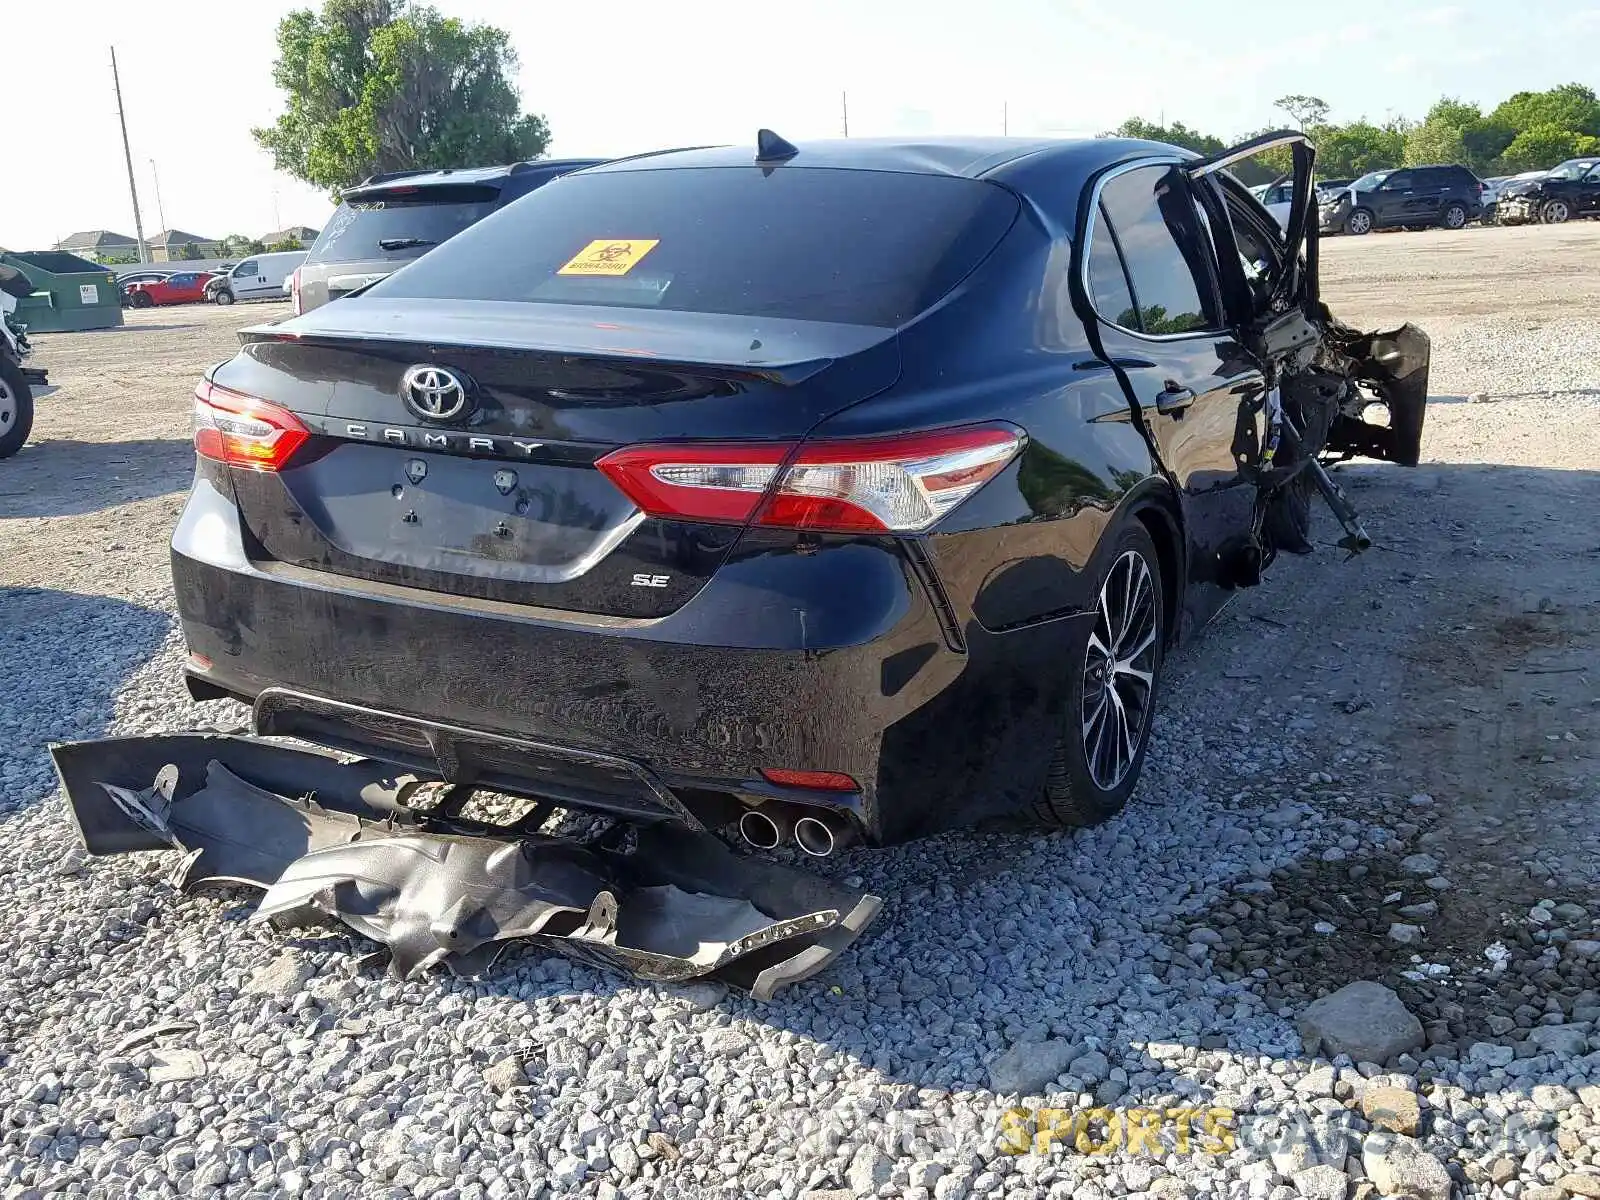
[495, 174]
[972, 157]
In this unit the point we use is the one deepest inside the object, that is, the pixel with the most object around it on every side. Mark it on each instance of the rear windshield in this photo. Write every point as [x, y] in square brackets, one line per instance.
[423, 218]
[857, 247]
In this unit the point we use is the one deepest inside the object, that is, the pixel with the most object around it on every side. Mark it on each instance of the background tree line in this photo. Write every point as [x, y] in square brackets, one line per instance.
[1530, 131]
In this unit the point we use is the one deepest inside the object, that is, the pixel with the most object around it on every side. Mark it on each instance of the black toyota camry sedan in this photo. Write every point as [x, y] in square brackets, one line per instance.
[847, 490]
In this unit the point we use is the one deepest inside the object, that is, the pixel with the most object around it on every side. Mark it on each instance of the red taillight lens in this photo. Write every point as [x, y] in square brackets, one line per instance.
[243, 431]
[899, 484]
[819, 781]
[294, 290]
[719, 484]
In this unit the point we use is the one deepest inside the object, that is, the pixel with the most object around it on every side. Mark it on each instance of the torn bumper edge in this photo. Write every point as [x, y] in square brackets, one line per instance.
[1396, 363]
[324, 836]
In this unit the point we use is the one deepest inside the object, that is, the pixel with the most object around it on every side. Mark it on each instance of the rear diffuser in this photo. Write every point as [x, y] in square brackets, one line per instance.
[322, 836]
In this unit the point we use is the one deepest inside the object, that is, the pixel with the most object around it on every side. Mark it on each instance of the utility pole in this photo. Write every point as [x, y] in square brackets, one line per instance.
[127, 154]
[161, 210]
[1005, 119]
[844, 102]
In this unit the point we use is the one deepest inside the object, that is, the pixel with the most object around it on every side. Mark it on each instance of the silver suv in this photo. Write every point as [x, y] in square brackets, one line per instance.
[391, 219]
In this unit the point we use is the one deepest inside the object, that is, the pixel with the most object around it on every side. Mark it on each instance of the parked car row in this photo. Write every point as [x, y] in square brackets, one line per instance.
[1450, 195]
[264, 277]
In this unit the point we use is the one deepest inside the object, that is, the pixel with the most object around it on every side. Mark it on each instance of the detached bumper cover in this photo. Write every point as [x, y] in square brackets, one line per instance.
[321, 836]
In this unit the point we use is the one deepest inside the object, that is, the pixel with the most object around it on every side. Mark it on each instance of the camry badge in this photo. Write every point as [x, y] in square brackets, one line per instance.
[416, 470]
[434, 393]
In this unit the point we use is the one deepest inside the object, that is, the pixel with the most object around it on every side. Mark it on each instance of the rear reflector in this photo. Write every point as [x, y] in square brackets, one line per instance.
[819, 781]
[243, 431]
[900, 484]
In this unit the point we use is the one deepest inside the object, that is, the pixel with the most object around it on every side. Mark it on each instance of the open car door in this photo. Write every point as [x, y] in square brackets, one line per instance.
[1387, 370]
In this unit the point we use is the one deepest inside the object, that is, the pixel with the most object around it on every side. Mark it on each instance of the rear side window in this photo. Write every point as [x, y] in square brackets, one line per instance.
[1108, 285]
[1155, 226]
[412, 221]
[851, 246]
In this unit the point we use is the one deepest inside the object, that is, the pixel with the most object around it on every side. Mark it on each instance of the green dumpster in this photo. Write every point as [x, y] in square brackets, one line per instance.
[68, 292]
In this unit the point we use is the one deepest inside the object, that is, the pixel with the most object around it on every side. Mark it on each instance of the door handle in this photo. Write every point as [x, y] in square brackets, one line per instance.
[1174, 398]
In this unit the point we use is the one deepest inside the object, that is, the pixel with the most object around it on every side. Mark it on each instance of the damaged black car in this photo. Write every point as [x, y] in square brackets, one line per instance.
[791, 496]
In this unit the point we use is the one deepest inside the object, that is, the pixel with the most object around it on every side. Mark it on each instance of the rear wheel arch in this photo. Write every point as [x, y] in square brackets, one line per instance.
[1156, 509]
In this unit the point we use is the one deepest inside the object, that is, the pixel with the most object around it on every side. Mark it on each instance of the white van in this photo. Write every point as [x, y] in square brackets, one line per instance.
[260, 277]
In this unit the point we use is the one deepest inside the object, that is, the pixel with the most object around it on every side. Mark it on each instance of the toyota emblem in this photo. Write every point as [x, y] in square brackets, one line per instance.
[434, 393]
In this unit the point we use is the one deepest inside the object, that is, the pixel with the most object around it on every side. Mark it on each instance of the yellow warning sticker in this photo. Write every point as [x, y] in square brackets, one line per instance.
[609, 256]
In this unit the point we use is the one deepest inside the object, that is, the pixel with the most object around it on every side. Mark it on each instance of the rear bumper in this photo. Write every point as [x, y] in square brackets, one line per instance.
[753, 672]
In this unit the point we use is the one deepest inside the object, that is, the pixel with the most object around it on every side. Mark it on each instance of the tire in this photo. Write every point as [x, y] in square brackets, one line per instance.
[141, 300]
[16, 407]
[1454, 216]
[1358, 222]
[1555, 212]
[222, 296]
[1092, 772]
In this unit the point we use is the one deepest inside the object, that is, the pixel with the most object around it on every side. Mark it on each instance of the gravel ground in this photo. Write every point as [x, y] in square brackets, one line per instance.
[1380, 770]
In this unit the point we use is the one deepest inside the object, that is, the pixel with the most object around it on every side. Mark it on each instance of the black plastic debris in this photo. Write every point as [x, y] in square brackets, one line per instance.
[326, 837]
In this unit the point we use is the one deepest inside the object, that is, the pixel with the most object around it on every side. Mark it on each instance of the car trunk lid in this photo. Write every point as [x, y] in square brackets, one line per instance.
[501, 501]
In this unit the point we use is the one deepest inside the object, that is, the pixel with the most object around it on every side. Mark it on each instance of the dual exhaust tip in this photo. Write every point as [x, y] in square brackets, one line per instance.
[818, 834]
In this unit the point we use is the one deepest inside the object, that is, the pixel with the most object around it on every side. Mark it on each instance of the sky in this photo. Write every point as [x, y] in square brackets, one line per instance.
[631, 75]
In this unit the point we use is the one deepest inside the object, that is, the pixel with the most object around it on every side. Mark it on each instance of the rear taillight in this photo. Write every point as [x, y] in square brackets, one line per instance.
[242, 431]
[900, 484]
[294, 290]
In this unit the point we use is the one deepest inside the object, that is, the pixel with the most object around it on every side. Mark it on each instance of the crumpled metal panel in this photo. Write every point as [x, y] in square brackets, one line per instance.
[325, 837]
[430, 896]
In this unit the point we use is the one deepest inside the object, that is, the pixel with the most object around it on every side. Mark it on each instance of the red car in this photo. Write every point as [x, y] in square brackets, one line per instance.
[182, 287]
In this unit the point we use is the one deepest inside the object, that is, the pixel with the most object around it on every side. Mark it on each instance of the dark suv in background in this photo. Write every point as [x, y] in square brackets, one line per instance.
[393, 218]
[1404, 197]
[1562, 193]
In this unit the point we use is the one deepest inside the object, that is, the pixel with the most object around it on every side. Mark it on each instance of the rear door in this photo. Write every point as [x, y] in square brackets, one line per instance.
[1151, 279]
[1428, 194]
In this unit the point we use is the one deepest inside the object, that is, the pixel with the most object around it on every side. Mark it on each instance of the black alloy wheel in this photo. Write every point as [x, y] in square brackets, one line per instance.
[1116, 667]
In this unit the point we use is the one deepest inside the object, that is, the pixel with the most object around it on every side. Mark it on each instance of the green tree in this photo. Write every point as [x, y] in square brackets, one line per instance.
[1305, 111]
[1176, 134]
[1570, 106]
[1541, 147]
[189, 251]
[387, 85]
[237, 245]
[1350, 151]
[285, 244]
[1435, 142]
